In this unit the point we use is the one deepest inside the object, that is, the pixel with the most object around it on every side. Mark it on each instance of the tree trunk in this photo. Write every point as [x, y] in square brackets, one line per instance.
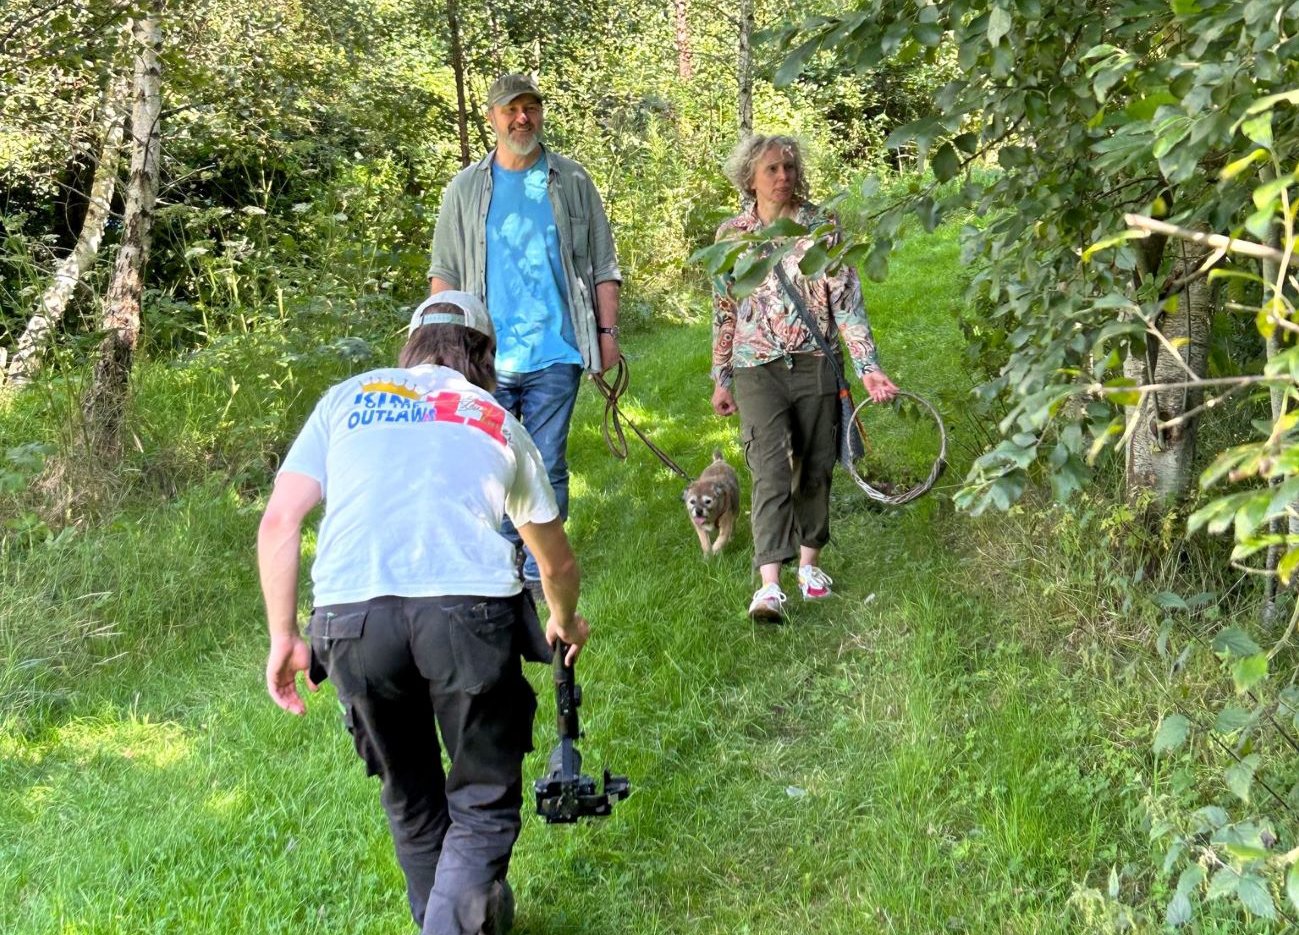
[105, 402]
[744, 69]
[1160, 459]
[67, 274]
[458, 67]
[685, 62]
[1274, 284]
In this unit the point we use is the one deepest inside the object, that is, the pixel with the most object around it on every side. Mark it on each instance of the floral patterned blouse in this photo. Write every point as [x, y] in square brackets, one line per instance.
[765, 326]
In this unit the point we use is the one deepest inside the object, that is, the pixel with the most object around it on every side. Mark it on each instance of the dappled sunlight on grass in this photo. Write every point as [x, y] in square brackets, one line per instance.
[147, 744]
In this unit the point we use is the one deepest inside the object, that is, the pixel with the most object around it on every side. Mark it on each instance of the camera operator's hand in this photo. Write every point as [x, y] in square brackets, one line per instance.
[289, 655]
[574, 633]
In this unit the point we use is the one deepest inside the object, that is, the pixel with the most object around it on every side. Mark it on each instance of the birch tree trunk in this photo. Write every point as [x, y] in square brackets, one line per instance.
[31, 345]
[744, 69]
[1274, 286]
[1159, 457]
[105, 402]
[685, 61]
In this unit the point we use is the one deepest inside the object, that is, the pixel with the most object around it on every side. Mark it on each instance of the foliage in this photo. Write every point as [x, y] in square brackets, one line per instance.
[1185, 112]
[1089, 115]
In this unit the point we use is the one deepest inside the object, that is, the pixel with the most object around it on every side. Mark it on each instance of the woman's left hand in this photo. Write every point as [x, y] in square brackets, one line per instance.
[879, 387]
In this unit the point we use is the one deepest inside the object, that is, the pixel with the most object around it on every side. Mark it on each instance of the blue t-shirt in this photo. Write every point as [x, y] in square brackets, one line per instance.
[526, 288]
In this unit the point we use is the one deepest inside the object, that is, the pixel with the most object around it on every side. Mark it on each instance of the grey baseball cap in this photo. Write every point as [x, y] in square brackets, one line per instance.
[472, 313]
[507, 87]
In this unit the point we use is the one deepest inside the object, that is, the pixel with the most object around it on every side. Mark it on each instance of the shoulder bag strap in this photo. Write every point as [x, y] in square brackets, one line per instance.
[810, 322]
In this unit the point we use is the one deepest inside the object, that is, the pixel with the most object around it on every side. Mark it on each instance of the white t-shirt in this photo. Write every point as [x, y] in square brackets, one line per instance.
[417, 467]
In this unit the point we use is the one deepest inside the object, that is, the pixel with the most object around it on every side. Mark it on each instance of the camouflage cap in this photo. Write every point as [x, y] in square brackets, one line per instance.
[507, 87]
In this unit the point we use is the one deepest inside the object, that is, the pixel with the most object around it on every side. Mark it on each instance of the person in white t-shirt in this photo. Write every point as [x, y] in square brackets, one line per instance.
[419, 617]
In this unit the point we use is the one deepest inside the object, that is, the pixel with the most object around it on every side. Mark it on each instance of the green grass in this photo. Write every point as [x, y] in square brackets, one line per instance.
[904, 758]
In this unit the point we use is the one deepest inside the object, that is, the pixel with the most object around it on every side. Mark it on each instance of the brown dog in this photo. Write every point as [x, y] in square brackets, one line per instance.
[713, 503]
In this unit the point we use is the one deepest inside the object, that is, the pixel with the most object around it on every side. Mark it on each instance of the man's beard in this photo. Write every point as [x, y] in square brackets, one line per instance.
[520, 148]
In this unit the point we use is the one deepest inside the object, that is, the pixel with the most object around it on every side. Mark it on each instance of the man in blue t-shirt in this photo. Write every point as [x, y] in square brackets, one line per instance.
[525, 230]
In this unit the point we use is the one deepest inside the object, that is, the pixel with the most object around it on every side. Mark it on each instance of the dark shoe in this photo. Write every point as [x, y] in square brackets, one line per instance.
[534, 588]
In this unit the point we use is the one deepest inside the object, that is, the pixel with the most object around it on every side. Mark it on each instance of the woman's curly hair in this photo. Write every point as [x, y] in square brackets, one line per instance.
[743, 161]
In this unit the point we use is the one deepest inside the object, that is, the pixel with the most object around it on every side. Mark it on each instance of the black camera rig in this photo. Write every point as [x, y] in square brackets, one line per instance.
[565, 795]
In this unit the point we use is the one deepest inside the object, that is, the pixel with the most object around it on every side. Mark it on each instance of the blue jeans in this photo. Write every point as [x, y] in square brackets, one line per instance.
[543, 401]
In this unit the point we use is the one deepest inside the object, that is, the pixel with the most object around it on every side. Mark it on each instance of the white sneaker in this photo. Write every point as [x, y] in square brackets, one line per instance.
[814, 583]
[768, 605]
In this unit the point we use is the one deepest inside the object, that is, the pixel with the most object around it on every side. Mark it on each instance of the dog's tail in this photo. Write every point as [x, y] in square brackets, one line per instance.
[717, 455]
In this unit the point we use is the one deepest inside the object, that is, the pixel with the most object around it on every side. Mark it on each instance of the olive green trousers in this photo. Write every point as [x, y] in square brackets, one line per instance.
[788, 425]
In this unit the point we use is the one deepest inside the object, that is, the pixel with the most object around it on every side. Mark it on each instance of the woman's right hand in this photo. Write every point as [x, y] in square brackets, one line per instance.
[724, 402]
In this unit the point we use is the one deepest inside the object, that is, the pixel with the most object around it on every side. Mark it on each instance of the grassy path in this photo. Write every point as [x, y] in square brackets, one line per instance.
[892, 761]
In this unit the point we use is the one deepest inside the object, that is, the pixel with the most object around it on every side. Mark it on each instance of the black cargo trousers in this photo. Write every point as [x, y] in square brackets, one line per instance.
[405, 668]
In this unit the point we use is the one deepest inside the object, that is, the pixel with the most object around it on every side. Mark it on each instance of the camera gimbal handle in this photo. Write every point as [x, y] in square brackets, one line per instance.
[565, 795]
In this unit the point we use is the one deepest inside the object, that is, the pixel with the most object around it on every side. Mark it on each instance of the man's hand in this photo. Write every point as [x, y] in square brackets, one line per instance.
[724, 402]
[575, 634]
[609, 352]
[879, 387]
[289, 655]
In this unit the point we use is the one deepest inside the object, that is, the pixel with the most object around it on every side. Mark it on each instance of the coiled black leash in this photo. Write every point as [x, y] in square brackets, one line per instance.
[612, 391]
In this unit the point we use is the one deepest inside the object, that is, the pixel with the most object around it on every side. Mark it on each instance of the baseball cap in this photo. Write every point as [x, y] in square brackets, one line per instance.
[472, 314]
[507, 87]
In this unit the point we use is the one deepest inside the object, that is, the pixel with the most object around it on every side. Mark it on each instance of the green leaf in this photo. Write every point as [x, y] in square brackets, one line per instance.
[1240, 776]
[1254, 896]
[946, 162]
[749, 273]
[1179, 910]
[1240, 165]
[719, 256]
[784, 227]
[1267, 103]
[1224, 883]
[1143, 108]
[1259, 129]
[1116, 392]
[1286, 567]
[1231, 719]
[1169, 601]
[999, 23]
[1292, 884]
[1234, 641]
[793, 64]
[1113, 241]
[1172, 733]
[814, 260]
[1211, 818]
[876, 267]
[1248, 672]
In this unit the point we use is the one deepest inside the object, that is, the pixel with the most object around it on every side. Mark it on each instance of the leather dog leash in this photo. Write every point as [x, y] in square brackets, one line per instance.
[612, 392]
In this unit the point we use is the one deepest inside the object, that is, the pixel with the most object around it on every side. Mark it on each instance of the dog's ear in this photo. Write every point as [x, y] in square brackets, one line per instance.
[718, 490]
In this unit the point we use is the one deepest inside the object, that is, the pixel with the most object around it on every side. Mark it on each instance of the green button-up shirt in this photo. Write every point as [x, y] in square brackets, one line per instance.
[459, 254]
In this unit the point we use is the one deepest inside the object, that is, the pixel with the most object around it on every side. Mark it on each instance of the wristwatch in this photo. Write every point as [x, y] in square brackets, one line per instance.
[613, 331]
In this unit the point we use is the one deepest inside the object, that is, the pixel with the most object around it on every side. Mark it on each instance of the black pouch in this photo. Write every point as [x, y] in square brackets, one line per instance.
[325, 629]
[530, 636]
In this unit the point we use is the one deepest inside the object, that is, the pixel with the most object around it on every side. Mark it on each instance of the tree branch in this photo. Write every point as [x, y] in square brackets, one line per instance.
[1216, 241]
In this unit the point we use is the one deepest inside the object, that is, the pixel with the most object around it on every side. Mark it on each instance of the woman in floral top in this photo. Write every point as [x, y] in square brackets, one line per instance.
[768, 367]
